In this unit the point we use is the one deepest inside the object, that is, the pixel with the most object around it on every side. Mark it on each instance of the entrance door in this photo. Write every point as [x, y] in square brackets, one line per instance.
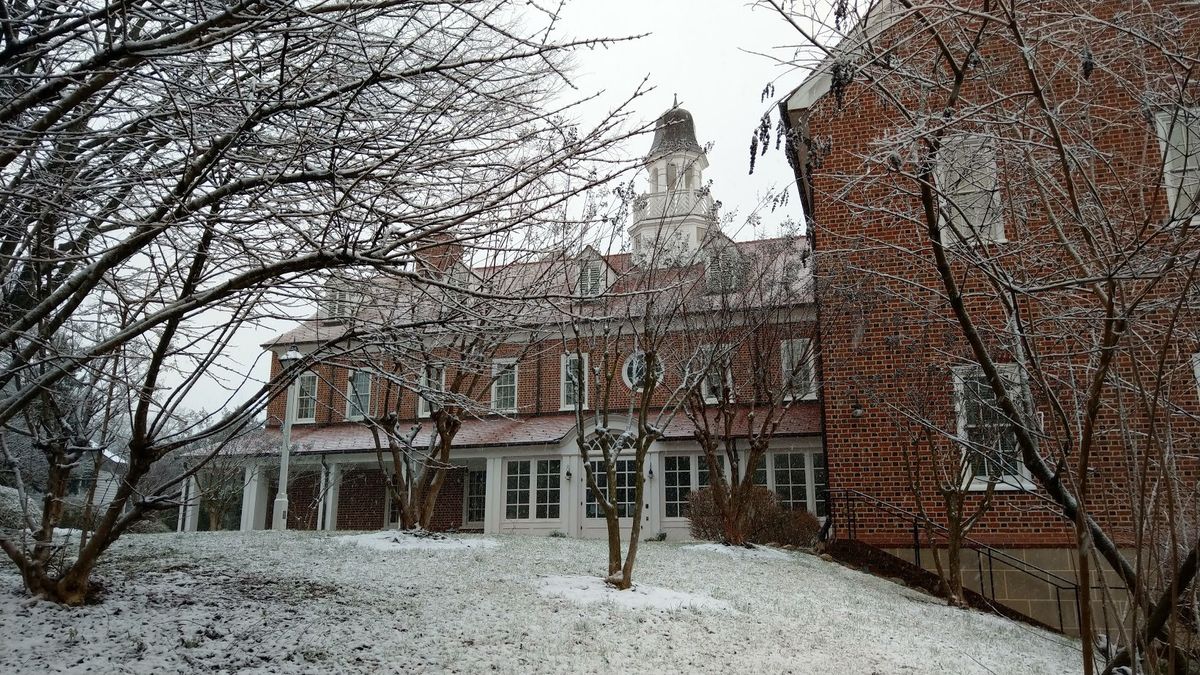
[593, 525]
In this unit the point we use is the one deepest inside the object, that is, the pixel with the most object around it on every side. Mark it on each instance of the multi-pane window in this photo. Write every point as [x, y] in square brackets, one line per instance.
[533, 483]
[796, 359]
[358, 395]
[504, 386]
[476, 495]
[591, 278]
[969, 190]
[433, 383]
[791, 479]
[819, 483]
[624, 488]
[574, 381]
[677, 481]
[306, 397]
[987, 434]
[1179, 133]
[516, 493]
[702, 470]
[724, 271]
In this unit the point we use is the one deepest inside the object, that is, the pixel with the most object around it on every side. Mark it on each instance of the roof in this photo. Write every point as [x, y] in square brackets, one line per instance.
[801, 419]
[674, 131]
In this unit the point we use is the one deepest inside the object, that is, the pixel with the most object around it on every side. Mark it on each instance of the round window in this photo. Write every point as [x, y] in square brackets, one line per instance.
[634, 372]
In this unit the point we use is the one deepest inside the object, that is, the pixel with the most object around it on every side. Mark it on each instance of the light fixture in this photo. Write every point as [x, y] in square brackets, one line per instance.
[651, 473]
[290, 357]
[568, 474]
[856, 409]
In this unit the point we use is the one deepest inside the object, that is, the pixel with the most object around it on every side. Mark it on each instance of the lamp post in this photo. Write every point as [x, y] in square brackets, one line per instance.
[279, 513]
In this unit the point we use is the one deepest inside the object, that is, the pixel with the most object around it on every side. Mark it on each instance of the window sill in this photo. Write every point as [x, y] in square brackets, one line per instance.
[571, 408]
[311, 421]
[1003, 484]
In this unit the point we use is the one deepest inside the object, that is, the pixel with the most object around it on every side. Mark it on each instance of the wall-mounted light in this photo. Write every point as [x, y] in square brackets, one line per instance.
[856, 409]
[568, 474]
[651, 473]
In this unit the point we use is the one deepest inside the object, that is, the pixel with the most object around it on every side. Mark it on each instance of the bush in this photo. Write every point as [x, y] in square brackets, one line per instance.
[148, 524]
[767, 522]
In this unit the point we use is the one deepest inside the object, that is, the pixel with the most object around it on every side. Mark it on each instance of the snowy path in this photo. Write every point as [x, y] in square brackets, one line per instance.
[264, 602]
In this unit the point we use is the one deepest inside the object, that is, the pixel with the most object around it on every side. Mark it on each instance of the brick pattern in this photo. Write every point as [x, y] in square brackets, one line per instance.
[448, 511]
[361, 500]
[885, 341]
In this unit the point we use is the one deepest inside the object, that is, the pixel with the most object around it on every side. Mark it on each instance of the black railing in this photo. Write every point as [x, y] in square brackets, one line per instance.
[844, 507]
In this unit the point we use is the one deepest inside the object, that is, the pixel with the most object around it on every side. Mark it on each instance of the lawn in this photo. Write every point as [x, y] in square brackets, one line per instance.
[316, 602]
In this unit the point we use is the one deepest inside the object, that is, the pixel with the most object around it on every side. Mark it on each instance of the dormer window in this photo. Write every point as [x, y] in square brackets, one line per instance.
[336, 306]
[591, 278]
[723, 274]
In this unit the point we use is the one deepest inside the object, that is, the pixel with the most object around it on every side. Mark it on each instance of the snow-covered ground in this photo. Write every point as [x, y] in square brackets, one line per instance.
[313, 602]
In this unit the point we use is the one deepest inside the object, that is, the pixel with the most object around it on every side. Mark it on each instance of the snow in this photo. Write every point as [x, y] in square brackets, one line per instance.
[302, 602]
[392, 540]
[586, 590]
[741, 552]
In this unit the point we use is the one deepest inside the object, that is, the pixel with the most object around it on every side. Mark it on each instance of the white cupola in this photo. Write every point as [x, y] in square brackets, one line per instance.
[672, 219]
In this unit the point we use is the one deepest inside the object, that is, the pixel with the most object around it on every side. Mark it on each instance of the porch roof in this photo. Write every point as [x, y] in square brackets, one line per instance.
[802, 419]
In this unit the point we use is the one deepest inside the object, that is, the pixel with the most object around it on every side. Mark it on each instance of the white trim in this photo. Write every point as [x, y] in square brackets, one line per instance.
[625, 370]
[351, 391]
[564, 359]
[788, 353]
[975, 144]
[497, 366]
[1019, 481]
[316, 383]
[590, 282]
[424, 406]
[1164, 120]
[709, 353]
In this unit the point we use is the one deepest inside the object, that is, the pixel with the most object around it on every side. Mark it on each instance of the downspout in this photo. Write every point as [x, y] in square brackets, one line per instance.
[797, 156]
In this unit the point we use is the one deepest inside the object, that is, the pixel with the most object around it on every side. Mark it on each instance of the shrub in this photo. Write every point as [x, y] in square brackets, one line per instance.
[767, 522]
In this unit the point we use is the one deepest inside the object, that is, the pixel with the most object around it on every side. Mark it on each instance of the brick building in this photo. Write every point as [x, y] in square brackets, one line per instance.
[517, 467]
[1053, 156]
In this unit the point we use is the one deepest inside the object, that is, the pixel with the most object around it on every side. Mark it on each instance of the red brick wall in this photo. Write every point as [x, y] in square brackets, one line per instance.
[448, 511]
[885, 340]
[361, 500]
[302, 500]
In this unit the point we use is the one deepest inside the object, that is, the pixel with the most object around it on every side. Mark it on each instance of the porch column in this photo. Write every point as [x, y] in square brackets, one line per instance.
[333, 487]
[493, 500]
[654, 496]
[189, 510]
[572, 495]
[322, 485]
[254, 499]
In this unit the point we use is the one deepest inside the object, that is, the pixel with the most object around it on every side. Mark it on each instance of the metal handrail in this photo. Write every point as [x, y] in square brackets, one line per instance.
[848, 497]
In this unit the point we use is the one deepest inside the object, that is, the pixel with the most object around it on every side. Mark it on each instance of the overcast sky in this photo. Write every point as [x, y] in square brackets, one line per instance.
[698, 50]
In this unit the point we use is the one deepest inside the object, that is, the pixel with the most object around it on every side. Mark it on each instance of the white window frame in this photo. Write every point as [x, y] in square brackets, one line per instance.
[590, 283]
[336, 304]
[467, 522]
[629, 361]
[1174, 173]
[592, 505]
[690, 474]
[306, 375]
[948, 199]
[788, 350]
[563, 371]
[425, 407]
[531, 492]
[352, 392]
[499, 365]
[715, 356]
[813, 462]
[1020, 481]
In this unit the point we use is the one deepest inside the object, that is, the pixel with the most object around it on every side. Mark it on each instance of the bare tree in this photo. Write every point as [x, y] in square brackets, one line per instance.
[172, 174]
[1036, 168]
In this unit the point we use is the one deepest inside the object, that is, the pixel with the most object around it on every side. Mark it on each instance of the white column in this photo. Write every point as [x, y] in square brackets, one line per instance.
[191, 505]
[493, 502]
[254, 499]
[572, 495]
[654, 494]
[334, 486]
[322, 484]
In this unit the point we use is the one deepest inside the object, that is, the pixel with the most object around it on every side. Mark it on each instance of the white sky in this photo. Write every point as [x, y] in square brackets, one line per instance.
[699, 50]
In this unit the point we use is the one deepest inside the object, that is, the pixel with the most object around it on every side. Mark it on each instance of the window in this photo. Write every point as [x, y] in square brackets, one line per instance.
[433, 383]
[591, 278]
[539, 489]
[634, 371]
[791, 480]
[819, 483]
[574, 381]
[654, 180]
[969, 190]
[796, 358]
[504, 386]
[677, 480]
[476, 495]
[717, 378]
[702, 470]
[987, 435]
[336, 305]
[671, 176]
[358, 395]
[625, 488]
[1179, 134]
[306, 397]
[723, 274]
